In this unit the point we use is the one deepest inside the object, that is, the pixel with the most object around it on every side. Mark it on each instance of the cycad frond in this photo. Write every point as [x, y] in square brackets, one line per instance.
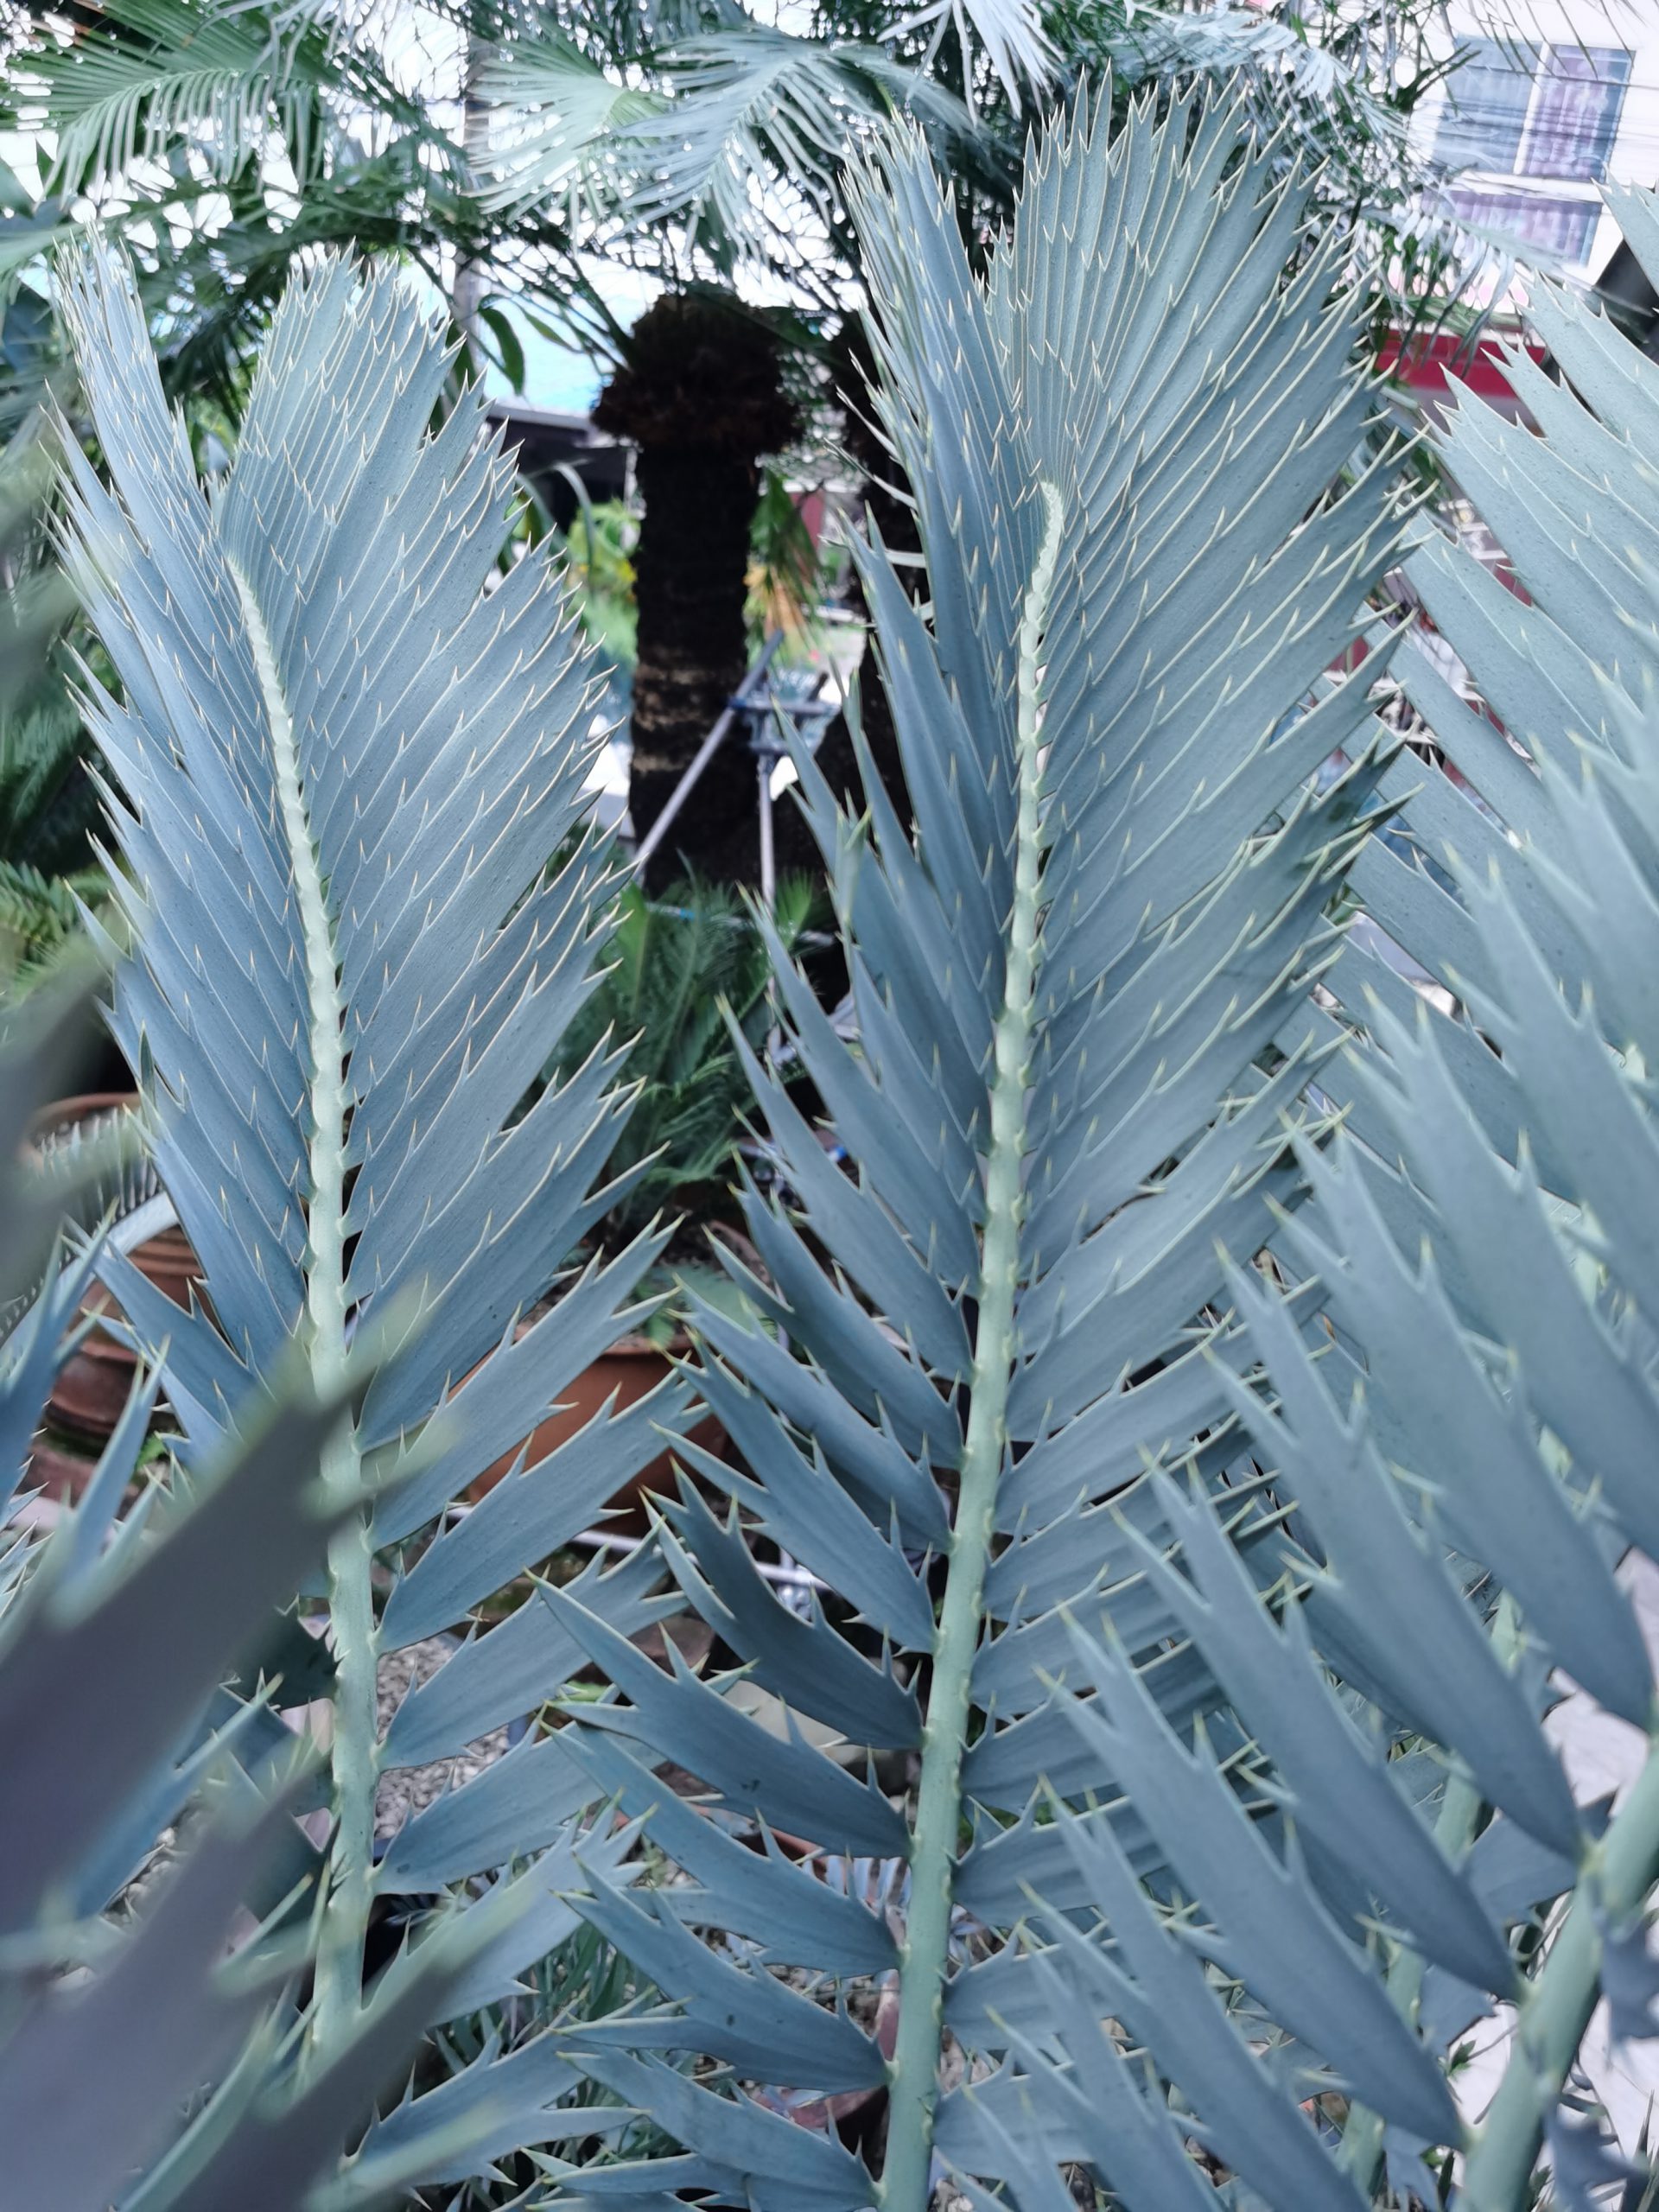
[119, 1633]
[1069, 983]
[1458, 1405]
[347, 746]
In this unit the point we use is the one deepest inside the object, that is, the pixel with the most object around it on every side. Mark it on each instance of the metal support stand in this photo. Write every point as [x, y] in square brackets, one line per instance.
[737, 704]
[766, 743]
[772, 719]
[763, 707]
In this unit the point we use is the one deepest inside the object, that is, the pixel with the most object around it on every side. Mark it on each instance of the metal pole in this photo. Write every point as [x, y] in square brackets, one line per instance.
[705, 752]
[770, 752]
[765, 761]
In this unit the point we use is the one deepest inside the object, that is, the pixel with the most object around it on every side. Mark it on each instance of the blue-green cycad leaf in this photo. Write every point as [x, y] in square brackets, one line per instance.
[1458, 1436]
[343, 766]
[116, 1632]
[744, 2154]
[251, 1538]
[493, 2106]
[1507, 686]
[1068, 980]
[347, 781]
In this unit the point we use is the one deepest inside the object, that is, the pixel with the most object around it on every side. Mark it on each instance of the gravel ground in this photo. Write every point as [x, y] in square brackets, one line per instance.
[406, 1789]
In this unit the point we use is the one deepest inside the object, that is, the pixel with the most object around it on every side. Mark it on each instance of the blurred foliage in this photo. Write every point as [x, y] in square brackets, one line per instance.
[40, 921]
[703, 140]
[48, 804]
[226, 140]
[599, 563]
[786, 580]
[47, 807]
[788, 577]
[682, 969]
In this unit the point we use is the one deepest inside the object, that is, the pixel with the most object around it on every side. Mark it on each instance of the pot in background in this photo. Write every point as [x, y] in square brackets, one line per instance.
[57, 1473]
[632, 1367]
[94, 1382]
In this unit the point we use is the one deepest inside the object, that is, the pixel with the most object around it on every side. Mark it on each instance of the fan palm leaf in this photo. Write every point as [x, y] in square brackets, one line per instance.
[731, 118]
[158, 72]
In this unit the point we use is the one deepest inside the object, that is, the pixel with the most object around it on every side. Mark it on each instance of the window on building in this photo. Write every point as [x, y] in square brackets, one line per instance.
[1575, 113]
[1533, 111]
[1566, 227]
[1487, 97]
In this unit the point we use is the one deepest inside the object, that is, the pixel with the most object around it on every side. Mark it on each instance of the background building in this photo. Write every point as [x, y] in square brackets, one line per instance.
[1552, 101]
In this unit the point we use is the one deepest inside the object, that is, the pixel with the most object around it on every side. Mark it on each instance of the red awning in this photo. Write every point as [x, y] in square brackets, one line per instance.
[1428, 363]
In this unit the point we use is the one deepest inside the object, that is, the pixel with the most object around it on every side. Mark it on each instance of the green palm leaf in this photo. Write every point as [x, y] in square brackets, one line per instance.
[159, 71]
[732, 118]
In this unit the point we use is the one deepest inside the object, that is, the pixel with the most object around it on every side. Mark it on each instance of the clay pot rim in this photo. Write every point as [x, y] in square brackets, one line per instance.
[81, 1106]
[84, 1106]
[174, 1240]
[635, 1345]
[99, 1344]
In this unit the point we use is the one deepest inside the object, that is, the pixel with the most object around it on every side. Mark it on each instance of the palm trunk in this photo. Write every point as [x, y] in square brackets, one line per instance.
[690, 578]
[471, 276]
[701, 396]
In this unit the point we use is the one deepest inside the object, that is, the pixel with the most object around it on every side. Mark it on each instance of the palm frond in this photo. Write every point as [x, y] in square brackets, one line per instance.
[1012, 34]
[154, 73]
[557, 115]
[731, 118]
[1296, 79]
[747, 109]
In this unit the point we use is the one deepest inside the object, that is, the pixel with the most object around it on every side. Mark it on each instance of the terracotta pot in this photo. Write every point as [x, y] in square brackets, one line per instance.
[84, 1106]
[57, 1473]
[93, 1383]
[632, 1366]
